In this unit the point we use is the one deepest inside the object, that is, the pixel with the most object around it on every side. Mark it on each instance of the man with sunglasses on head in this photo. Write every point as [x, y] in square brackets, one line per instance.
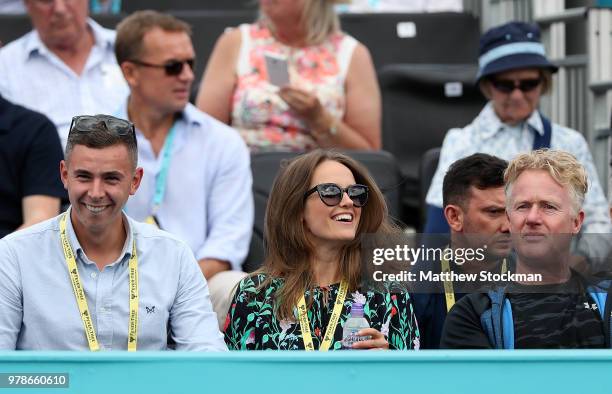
[92, 277]
[513, 73]
[65, 66]
[197, 182]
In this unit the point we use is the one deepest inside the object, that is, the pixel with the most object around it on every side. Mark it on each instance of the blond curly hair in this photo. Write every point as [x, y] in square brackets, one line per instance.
[560, 165]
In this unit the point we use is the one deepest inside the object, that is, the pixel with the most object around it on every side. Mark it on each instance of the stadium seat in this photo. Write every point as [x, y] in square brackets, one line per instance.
[265, 166]
[207, 28]
[446, 37]
[427, 169]
[420, 103]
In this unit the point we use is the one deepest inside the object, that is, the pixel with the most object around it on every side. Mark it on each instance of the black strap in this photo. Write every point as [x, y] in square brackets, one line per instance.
[543, 141]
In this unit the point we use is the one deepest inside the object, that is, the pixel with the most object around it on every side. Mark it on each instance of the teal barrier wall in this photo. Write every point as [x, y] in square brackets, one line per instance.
[491, 372]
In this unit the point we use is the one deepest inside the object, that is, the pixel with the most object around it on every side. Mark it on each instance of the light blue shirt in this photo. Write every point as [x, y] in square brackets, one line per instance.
[33, 76]
[38, 309]
[487, 134]
[208, 201]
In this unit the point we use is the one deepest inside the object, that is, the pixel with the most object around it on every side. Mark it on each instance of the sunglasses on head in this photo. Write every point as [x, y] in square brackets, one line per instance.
[172, 67]
[86, 123]
[331, 194]
[508, 85]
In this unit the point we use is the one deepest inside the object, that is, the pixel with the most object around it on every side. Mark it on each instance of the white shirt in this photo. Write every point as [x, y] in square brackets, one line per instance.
[208, 201]
[38, 309]
[36, 78]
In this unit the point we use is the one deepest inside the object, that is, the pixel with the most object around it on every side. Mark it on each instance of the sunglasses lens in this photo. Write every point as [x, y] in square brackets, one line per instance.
[85, 122]
[330, 194]
[359, 195]
[503, 86]
[173, 68]
[527, 85]
[119, 126]
[508, 86]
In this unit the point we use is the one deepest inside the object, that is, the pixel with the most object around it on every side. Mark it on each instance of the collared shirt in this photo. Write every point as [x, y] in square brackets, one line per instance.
[487, 134]
[38, 309]
[36, 78]
[208, 201]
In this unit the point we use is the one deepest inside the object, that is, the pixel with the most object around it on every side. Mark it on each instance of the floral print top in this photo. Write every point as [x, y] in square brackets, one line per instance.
[261, 117]
[252, 325]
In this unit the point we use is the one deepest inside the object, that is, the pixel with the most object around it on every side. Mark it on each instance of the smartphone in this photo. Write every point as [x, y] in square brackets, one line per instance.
[278, 72]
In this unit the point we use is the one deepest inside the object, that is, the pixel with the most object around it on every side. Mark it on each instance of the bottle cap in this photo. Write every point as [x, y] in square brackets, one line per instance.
[357, 309]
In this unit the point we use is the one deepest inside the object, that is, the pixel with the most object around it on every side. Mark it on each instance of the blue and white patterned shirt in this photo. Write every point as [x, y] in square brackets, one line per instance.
[33, 76]
[487, 134]
[38, 309]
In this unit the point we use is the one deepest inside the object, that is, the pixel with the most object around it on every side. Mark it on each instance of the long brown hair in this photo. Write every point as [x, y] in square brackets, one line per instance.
[289, 253]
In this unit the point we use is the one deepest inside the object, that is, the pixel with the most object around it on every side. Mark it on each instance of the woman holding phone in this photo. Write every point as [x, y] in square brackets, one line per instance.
[310, 283]
[332, 98]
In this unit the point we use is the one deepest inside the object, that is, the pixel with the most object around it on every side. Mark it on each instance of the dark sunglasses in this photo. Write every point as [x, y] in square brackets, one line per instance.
[508, 85]
[172, 67]
[331, 194]
[86, 123]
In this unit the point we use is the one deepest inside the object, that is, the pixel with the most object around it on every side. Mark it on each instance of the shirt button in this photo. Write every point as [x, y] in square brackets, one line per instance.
[94, 275]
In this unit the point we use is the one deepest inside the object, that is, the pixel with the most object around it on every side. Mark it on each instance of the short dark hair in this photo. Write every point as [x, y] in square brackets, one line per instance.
[480, 170]
[98, 136]
[131, 30]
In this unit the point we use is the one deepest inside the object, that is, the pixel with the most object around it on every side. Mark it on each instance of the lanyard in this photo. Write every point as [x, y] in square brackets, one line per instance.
[449, 291]
[79, 293]
[160, 179]
[331, 326]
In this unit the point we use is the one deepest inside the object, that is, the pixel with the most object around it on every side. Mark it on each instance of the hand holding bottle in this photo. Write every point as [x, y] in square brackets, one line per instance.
[376, 342]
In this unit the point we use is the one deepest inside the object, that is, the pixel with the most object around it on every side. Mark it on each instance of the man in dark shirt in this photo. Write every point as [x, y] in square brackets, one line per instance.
[474, 207]
[546, 304]
[30, 153]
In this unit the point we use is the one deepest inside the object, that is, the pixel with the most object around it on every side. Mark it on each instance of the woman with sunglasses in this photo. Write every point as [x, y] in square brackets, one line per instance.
[320, 205]
[323, 91]
[513, 74]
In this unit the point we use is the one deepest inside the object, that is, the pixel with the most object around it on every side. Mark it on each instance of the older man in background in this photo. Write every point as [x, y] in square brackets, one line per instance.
[65, 66]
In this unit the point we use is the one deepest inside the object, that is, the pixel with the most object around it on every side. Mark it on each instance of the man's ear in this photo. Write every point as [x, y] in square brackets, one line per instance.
[136, 179]
[64, 173]
[129, 71]
[454, 216]
[578, 221]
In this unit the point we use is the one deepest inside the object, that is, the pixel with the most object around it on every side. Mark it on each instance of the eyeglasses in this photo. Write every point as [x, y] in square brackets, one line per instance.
[331, 194]
[86, 123]
[508, 85]
[172, 67]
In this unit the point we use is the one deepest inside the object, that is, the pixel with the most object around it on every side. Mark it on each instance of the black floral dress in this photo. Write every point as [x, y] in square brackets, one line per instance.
[252, 325]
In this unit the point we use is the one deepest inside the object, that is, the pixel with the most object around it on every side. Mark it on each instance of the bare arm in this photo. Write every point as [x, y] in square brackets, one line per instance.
[219, 80]
[37, 208]
[211, 267]
[363, 102]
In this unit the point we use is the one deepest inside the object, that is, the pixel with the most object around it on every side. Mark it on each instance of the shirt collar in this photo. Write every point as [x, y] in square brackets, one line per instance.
[103, 38]
[489, 124]
[189, 115]
[78, 249]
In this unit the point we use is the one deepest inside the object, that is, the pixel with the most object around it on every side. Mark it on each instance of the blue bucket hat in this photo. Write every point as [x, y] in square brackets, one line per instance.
[509, 47]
